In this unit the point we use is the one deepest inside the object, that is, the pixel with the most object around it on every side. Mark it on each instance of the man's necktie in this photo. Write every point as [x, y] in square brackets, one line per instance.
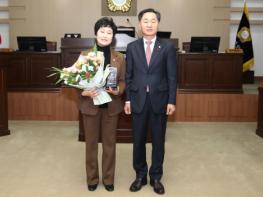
[148, 58]
[148, 51]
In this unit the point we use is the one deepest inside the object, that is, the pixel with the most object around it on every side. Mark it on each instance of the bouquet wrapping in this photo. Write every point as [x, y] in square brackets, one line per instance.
[87, 73]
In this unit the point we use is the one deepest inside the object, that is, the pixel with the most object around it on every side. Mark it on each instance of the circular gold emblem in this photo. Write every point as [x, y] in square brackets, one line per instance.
[119, 5]
[244, 35]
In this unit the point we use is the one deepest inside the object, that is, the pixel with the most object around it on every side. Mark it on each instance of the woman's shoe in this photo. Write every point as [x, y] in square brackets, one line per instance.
[92, 187]
[109, 188]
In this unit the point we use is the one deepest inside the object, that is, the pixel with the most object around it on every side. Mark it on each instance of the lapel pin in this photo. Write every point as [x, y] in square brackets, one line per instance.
[158, 48]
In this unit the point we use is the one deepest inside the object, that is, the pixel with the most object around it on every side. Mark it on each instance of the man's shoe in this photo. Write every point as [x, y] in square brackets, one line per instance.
[92, 187]
[137, 184]
[157, 186]
[109, 188]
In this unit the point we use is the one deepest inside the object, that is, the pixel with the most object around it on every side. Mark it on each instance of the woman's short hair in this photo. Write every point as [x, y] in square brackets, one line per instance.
[105, 22]
[158, 15]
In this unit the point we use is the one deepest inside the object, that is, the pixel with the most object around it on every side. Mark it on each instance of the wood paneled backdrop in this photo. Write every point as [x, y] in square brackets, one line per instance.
[62, 105]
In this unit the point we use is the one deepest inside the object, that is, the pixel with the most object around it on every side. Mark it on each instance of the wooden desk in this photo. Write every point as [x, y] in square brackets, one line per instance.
[3, 102]
[210, 72]
[28, 71]
[259, 130]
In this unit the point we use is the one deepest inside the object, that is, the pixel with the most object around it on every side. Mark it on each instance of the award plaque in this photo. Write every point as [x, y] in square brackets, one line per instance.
[112, 78]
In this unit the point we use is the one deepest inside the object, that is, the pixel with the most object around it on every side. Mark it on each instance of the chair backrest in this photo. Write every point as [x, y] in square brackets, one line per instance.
[186, 46]
[51, 46]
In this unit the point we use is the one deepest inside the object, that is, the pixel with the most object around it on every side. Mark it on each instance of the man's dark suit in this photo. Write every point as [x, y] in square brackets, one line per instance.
[149, 108]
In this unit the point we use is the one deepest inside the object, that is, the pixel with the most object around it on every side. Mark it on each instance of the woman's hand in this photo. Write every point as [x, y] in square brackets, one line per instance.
[113, 91]
[90, 93]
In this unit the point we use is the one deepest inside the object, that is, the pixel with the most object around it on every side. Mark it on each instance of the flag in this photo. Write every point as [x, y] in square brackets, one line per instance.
[244, 40]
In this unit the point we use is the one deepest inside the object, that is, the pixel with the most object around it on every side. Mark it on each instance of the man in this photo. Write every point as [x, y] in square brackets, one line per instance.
[151, 93]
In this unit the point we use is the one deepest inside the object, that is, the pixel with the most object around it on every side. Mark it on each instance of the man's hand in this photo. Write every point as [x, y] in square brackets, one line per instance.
[170, 109]
[127, 108]
[91, 93]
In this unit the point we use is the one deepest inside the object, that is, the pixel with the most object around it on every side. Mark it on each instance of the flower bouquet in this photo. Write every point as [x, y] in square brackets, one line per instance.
[87, 73]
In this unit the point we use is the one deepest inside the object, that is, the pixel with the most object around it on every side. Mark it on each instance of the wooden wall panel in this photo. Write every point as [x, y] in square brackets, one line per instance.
[194, 107]
[190, 107]
[60, 105]
[216, 107]
[244, 107]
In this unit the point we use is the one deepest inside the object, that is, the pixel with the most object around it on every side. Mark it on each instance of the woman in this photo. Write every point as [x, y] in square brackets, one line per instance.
[102, 120]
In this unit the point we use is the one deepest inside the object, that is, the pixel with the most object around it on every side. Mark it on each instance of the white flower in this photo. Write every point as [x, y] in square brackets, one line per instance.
[82, 59]
[73, 69]
[90, 68]
[65, 70]
[84, 67]
[91, 54]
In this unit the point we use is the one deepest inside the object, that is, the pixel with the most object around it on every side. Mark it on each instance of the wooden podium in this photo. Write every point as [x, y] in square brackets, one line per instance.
[210, 72]
[3, 102]
[28, 71]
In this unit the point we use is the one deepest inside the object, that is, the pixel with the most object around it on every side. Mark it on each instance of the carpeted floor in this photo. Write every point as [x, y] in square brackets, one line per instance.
[44, 159]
